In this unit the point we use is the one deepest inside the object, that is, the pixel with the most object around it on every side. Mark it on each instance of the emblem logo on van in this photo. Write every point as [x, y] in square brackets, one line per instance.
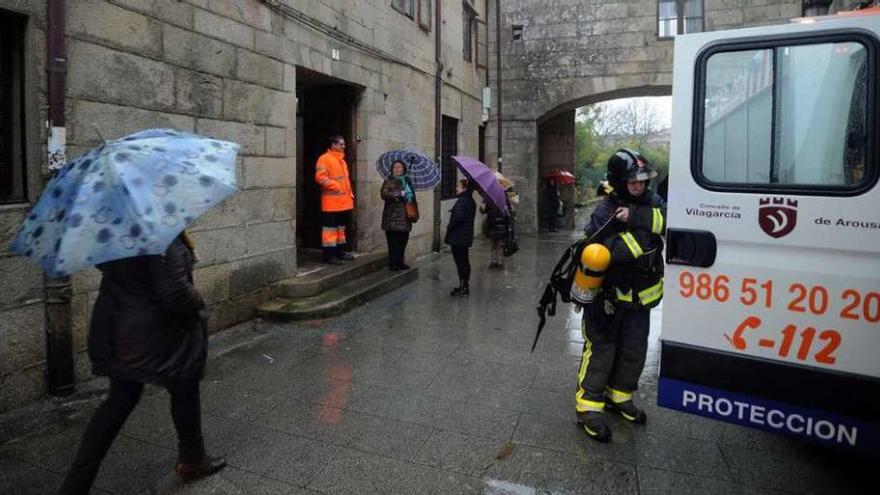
[777, 216]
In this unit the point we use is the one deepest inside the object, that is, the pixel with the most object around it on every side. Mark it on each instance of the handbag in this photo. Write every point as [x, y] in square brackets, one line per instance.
[412, 211]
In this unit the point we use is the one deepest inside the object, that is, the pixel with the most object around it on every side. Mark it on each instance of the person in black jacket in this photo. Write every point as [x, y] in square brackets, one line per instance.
[497, 227]
[148, 326]
[460, 235]
[630, 223]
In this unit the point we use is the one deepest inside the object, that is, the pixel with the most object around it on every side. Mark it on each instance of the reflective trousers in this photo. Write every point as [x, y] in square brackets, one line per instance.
[613, 358]
[333, 232]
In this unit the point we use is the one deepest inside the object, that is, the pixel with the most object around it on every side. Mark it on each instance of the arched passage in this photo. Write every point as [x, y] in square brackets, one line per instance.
[556, 148]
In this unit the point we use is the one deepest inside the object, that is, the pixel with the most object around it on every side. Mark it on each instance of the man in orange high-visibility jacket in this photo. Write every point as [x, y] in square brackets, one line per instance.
[337, 200]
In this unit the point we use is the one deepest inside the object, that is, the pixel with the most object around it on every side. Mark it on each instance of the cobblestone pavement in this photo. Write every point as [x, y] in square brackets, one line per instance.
[419, 393]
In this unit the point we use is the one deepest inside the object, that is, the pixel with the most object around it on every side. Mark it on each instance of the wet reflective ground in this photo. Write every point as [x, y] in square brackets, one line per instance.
[418, 393]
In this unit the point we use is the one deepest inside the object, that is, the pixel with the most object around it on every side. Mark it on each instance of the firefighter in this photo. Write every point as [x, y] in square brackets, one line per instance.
[630, 221]
[337, 201]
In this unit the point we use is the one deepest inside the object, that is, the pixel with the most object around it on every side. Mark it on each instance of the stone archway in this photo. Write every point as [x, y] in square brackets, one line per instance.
[556, 146]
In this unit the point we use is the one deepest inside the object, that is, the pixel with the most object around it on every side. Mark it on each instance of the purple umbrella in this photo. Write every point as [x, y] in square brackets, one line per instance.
[484, 179]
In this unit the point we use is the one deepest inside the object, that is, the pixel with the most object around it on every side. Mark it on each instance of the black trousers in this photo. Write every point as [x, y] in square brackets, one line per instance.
[613, 358]
[396, 247]
[462, 262]
[109, 419]
[334, 232]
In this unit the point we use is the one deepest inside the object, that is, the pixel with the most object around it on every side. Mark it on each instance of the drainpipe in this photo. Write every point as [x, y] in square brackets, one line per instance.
[814, 8]
[438, 122]
[59, 334]
[498, 75]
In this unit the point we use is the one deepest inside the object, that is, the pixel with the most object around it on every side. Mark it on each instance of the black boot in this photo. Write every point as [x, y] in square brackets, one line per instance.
[628, 411]
[194, 462]
[465, 289]
[593, 424]
[456, 292]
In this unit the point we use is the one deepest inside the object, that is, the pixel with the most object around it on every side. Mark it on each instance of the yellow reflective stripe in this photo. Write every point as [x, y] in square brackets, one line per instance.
[581, 404]
[624, 296]
[334, 193]
[618, 396]
[584, 405]
[652, 293]
[632, 244]
[657, 221]
[337, 177]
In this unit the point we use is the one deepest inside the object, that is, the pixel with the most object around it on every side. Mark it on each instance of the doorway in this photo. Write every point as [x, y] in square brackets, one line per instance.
[325, 107]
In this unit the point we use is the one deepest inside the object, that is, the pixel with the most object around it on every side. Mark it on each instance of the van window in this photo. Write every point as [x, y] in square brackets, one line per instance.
[786, 116]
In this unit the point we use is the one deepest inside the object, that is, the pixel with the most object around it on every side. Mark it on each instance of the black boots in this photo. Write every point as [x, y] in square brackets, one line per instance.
[194, 462]
[593, 424]
[627, 410]
[463, 290]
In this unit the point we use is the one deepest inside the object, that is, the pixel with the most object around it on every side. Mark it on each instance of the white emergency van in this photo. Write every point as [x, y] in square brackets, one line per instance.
[771, 313]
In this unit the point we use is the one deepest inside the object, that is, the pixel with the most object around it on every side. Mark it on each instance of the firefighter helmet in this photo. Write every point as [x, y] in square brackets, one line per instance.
[625, 165]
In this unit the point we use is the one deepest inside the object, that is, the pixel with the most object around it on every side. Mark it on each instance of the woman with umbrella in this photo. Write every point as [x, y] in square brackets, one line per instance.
[123, 208]
[398, 215]
[460, 235]
[405, 171]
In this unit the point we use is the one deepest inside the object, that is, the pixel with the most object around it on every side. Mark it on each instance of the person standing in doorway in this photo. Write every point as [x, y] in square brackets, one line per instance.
[399, 197]
[460, 235]
[337, 201]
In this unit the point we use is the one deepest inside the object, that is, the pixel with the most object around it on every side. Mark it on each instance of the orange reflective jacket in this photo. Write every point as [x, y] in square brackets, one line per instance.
[331, 173]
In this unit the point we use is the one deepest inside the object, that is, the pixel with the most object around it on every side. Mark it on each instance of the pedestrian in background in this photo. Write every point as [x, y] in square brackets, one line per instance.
[398, 214]
[552, 204]
[460, 235]
[148, 326]
[337, 201]
[497, 225]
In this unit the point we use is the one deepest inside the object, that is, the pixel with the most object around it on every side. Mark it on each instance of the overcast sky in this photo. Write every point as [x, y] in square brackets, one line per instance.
[663, 105]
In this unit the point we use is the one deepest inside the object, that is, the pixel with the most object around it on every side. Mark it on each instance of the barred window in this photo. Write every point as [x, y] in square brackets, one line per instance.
[679, 17]
[12, 164]
[449, 172]
[406, 7]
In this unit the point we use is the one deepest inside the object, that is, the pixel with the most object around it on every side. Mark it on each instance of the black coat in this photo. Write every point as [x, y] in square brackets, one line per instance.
[496, 221]
[460, 230]
[394, 213]
[146, 325]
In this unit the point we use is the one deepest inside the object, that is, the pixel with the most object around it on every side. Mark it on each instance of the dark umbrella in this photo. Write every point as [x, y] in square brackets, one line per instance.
[484, 179]
[421, 171]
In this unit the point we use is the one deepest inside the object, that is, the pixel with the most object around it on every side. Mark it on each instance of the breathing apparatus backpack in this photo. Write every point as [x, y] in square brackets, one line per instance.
[569, 266]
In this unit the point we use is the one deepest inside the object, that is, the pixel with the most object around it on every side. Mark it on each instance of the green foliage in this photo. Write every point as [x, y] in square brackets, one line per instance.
[593, 148]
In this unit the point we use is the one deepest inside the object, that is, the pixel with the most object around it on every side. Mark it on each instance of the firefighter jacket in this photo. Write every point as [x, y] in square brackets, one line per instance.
[331, 173]
[635, 276]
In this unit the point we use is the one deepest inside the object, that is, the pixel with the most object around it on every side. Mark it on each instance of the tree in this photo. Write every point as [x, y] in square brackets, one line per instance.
[602, 129]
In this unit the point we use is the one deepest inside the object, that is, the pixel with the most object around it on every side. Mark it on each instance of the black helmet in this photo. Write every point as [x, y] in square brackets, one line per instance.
[625, 165]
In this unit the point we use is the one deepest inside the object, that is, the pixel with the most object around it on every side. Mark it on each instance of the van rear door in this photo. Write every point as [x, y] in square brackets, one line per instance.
[771, 316]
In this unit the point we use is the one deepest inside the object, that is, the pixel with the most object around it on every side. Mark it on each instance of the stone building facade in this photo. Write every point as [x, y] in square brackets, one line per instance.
[278, 77]
[558, 55]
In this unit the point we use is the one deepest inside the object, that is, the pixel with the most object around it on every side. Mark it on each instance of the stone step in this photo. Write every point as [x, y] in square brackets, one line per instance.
[337, 300]
[317, 277]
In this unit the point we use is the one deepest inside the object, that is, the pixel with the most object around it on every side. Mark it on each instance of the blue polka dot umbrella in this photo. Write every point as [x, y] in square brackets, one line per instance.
[421, 171]
[129, 197]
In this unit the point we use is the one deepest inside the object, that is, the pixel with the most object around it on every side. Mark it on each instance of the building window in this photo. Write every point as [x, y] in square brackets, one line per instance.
[469, 18]
[12, 163]
[482, 44]
[425, 14]
[679, 17]
[406, 7]
[517, 32]
[449, 172]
